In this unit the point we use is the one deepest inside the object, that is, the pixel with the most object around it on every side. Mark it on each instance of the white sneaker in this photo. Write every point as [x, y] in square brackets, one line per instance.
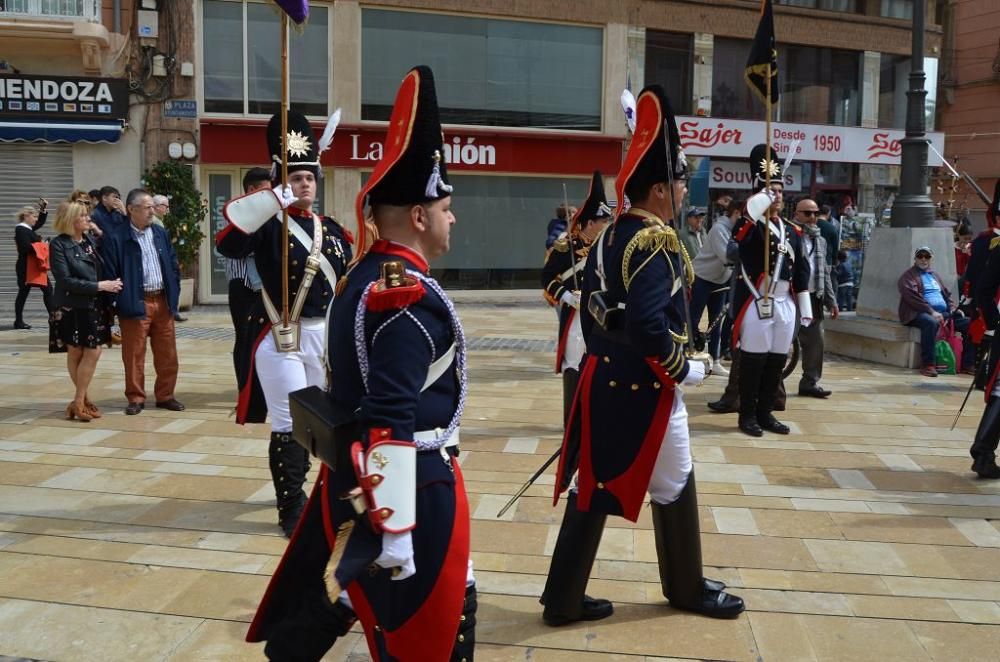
[719, 369]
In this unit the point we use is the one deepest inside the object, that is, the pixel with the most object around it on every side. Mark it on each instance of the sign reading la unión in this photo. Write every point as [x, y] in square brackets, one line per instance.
[64, 97]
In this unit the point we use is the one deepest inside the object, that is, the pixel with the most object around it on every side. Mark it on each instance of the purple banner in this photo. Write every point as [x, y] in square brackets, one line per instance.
[297, 10]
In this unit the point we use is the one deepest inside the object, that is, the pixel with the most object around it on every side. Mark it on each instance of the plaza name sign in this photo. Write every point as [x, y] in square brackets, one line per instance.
[63, 97]
[714, 137]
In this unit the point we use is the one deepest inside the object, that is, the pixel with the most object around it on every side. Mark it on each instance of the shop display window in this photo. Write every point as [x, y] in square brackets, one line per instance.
[488, 72]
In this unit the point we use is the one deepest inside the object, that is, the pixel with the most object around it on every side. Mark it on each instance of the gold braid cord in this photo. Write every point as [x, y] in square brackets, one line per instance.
[655, 237]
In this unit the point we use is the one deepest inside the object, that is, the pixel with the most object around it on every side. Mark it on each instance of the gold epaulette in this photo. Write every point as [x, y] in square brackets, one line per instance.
[994, 242]
[561, 244]
[655, 237]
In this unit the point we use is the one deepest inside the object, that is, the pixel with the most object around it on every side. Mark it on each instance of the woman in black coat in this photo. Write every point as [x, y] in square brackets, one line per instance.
[29, 220]
[79, 322]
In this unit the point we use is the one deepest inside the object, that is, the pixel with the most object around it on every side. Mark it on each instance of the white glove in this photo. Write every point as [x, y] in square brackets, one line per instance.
[696, 373]
[397, 552]
[759, 203]
[806, 321]
[571, 298]
[285, 196]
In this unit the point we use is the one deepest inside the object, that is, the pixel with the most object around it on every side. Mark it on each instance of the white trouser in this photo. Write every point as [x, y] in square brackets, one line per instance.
[770, 335]
[280, 373]
[575, 347]
[673, 463]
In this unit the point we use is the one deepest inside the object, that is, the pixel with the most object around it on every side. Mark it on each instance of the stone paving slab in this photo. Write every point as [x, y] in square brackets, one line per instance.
[861, 536]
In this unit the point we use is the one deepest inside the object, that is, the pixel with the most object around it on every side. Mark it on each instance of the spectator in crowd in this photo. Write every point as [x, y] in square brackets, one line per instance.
[161, 205]
[822, 295]
[830, 232]
[79, 322]
[29, 220]
[95, 199]
[691, 233]
[557, 226]
[141, 255]
[712, 271]
[925, 303]
[110, 213]
[843, 276]
[963, 250]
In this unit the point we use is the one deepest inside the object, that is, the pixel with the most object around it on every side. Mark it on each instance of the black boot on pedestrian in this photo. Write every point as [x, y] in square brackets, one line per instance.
[570, 380]
[311, 630]
[751, 368]
[465, 640]
[984, 446]
[564, 597]
[289, 465]
[730, 401]
[678, 552]
[21, 324]
[770, 381]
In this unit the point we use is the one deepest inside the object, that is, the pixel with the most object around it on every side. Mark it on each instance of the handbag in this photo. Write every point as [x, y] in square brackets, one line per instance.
[953, 342]
[323, 427]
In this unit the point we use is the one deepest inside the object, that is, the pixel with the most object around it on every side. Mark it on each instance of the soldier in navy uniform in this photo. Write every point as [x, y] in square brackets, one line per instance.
[318, 253]
[629, 413]
[984, 445]
[561, 283]
[398, 357]
[765, 321]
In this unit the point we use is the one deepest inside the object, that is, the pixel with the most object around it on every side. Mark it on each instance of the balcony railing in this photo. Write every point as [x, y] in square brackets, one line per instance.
[60, 10]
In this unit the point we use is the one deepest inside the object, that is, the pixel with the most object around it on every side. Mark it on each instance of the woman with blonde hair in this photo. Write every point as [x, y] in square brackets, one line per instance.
[78, 324]
[29, 219]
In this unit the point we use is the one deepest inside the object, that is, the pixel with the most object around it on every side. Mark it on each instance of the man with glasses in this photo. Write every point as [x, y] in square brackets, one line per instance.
[140, 253]
[821, 295]
[161, 207]
[925, 303]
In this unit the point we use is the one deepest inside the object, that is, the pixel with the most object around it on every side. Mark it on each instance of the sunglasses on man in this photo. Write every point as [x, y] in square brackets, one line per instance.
[923, 256]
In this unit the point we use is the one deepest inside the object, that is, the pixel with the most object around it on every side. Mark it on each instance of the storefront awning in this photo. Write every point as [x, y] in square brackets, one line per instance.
[60, 132]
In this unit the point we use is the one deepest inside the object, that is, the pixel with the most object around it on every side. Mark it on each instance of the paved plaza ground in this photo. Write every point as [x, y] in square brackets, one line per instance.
[861, 536]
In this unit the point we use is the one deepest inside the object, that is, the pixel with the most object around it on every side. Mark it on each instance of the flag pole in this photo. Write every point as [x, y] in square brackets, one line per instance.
[284, 167]
[767, 179]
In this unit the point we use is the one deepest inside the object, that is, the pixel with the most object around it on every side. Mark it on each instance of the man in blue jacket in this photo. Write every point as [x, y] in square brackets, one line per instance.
[109, 214]
[140, 253]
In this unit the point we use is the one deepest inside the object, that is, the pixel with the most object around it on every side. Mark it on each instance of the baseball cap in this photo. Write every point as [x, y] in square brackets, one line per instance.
[923, 249]
[696, 211]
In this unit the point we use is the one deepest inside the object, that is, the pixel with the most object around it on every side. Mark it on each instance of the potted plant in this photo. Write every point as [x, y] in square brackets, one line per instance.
[183, 222]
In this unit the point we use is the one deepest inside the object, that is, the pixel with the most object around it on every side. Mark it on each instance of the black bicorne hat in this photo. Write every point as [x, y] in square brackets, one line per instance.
[596, 204]
[302, 150]
[759, 165]
[655, 146]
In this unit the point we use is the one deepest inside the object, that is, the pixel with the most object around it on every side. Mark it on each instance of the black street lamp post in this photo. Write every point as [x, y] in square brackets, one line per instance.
[913, 208]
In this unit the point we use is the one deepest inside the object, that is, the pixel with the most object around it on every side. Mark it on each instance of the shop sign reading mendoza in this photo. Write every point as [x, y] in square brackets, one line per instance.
[63, 96]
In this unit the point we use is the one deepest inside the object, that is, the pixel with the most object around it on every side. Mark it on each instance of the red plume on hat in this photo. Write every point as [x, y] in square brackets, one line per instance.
[412, 169]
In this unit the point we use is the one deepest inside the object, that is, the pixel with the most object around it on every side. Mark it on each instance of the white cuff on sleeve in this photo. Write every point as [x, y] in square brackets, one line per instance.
[249, 212]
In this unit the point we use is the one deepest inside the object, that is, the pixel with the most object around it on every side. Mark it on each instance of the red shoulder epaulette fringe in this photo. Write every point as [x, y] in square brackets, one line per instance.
[382, 298]
[798, 229]
[347, 235]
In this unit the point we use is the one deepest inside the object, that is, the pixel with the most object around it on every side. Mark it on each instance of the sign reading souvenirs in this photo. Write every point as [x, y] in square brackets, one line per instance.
[63, 97]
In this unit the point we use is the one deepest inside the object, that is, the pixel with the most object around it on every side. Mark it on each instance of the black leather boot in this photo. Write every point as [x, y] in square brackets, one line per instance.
[289, 465]
[770, 381]
[678, 551]
[308, 633]
[984, 446]
[730, 400]
[572, 560]
[465, 640]
[751, 369]
[570, 380]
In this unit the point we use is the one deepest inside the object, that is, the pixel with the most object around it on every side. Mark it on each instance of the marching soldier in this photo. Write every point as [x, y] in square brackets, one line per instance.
[561, 283]
[765, 321]
[284, 359]
[984, 446]
[629, 413]
[399, 356]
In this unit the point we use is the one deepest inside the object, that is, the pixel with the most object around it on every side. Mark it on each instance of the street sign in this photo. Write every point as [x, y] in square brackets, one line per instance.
[180, 108]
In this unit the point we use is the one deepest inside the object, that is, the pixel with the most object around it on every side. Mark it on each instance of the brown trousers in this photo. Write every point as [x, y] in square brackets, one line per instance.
[159, 328]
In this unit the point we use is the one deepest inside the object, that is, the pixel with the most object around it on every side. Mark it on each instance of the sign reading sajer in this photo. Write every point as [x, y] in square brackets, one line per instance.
[65, 97]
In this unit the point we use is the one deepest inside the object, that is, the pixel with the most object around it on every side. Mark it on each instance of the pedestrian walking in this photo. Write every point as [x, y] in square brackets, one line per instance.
[30, 219]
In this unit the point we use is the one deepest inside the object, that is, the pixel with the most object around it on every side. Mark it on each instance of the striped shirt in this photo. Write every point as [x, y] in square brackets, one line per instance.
[236, 269]
[152, 273]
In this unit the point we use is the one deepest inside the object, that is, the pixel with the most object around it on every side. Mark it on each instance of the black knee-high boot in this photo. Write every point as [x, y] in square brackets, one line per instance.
[564, 598]
[289, 465]
[312, 630]
[730, 400]
[465, 640]
[770, 380]
[678, 551]
[984, 446]
[751, 369]
[570, 380]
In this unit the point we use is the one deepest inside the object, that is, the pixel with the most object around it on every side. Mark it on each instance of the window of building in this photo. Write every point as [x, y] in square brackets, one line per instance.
[241, 46]
[731, 96]
[820, 86]
[669, 63]
[487, 71]
[898, 9]
[850, 6]
[893, 81]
